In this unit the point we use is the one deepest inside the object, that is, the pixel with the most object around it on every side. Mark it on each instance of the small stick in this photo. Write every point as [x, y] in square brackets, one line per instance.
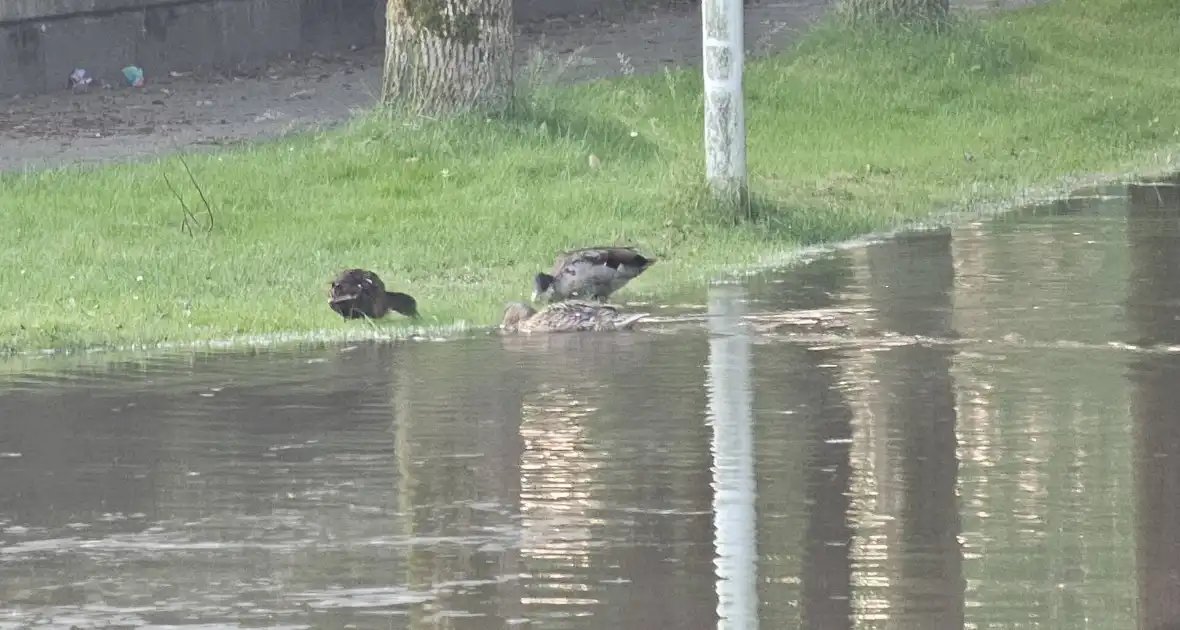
[190, 219]
[208, 208]
[185, 228]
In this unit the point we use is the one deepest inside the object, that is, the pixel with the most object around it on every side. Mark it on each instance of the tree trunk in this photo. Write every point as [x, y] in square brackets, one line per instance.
[895, 11]
[448, 56]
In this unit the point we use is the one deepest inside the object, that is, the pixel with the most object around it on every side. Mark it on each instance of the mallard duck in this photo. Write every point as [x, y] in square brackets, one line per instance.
[357, 293]
[590, 273]
[567, 316]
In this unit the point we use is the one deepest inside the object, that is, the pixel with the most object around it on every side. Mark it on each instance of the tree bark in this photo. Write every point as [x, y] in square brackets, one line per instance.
[448, 56]
[895, 11]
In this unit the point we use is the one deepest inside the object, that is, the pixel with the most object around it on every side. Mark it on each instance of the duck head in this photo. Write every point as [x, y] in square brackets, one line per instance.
[542, 285]
[514, 313]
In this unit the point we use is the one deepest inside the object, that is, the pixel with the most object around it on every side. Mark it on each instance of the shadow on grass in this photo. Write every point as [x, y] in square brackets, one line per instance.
[769, 219]
[600, 135]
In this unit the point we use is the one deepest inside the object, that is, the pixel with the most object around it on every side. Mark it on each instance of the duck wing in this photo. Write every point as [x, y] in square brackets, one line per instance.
[611, 257]
[571, 316]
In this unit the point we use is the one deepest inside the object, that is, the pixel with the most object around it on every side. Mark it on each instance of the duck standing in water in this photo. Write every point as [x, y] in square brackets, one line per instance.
[567, 316]
[357, 293]
[590, 273]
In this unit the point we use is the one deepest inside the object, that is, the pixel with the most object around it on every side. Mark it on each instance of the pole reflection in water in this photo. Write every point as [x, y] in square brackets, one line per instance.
[733, 460]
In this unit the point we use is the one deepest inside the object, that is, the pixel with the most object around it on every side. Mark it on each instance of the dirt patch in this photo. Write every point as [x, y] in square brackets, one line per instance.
[209, 110]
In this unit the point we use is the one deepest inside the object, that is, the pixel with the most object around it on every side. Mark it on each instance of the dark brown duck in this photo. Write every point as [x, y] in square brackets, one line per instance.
[357, 293]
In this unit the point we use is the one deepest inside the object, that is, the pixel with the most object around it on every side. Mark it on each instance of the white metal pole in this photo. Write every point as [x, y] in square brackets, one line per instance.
[722, 28]
[734, 486]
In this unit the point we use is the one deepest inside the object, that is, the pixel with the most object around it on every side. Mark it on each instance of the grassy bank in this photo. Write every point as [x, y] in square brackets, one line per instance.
[848, 133]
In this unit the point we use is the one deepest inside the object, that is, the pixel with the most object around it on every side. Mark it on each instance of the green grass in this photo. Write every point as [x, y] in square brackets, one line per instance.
[849, 132]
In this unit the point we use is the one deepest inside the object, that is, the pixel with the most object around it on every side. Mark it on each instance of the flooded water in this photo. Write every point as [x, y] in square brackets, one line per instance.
[980, 428]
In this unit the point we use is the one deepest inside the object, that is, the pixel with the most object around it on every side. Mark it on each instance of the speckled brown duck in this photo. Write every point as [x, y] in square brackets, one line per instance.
[357, 293]
[567, 316]
[590, 273]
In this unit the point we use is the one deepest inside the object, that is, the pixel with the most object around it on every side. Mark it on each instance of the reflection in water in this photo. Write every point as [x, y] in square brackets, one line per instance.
[817, 395]
[733, 460]
[1153, 307]
[916, 463]
[960, 454]
[458, 450]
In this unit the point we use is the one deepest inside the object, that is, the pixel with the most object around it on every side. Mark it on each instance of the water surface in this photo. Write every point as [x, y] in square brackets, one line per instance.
[981, 428]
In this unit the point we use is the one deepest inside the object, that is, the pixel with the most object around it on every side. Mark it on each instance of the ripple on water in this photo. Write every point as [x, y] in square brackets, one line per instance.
[944, 434]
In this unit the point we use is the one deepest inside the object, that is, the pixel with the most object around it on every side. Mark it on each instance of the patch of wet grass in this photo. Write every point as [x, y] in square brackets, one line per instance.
[851, 131]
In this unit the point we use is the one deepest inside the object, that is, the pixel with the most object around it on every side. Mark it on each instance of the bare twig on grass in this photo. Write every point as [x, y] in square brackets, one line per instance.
[189, 219]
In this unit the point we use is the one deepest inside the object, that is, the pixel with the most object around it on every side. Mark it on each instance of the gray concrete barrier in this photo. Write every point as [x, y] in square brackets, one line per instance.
[42, 41]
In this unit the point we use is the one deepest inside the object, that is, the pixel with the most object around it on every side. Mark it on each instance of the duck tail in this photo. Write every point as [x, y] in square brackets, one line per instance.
[402, 303]
[641, 263]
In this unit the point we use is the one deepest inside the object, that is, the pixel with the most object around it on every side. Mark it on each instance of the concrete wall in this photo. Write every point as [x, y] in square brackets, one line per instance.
[42, 41]
[39, 49]
[15, 10]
